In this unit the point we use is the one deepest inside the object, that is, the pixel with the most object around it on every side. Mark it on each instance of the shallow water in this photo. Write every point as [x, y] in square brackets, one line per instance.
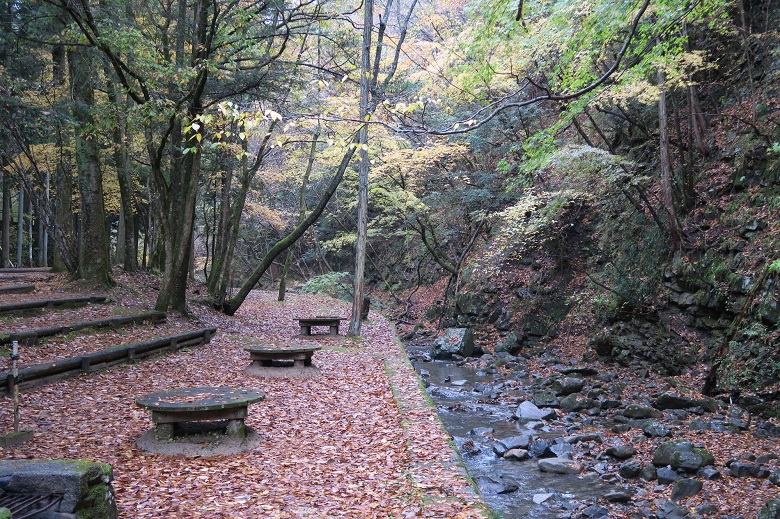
[465, 412]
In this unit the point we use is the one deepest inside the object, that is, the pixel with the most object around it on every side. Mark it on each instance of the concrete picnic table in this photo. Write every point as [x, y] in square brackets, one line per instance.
[198, 404]
[306, 324]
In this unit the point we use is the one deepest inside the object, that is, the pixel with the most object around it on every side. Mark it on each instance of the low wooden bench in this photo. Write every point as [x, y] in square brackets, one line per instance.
[306, 324]
[273, 361]
[199, 404]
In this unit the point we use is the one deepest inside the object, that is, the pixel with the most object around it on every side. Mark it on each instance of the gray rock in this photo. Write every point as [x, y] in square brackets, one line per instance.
[654, 429]
[618, 496]
[621, 428]
[568, 385]
[510, 344]
[559, 466]
[490, 485]
[671, 510]
[685, 487]
[482, 431]
[708, 509]
[513, 442]
[516, 455]
[774, 477]
[585, 371]
[541, 498]
[580, 438]
[621, 452]
[641, 411]
[595, 512]
[529, 411]
[546, 399]
[667, 475]
[771, 510]
[575, 402]
[670, 401]
[683, 455]
[561, 450]
[709, 473]
[741, 469]
[541, 448]
[766, 458]
[455, 341]
[648, 473]
[630, 469]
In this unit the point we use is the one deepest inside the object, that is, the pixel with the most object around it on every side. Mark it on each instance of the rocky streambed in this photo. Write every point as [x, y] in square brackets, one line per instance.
[573, 440]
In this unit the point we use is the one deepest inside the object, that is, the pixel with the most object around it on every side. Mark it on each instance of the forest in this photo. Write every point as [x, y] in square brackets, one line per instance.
[604, 169]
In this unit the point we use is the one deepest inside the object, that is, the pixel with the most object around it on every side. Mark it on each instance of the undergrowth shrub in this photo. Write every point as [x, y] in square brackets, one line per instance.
[334, 284]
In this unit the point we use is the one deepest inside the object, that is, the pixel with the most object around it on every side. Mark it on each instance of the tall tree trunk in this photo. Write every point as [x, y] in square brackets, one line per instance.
[20, 227]
[127, 249]
[5, 259]
[301, 213]
[362, 208]
[64, 235]
[667, 180]
[94, 258]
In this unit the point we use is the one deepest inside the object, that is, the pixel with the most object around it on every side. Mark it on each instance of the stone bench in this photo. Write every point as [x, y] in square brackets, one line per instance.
[273, 361]
[306, 324]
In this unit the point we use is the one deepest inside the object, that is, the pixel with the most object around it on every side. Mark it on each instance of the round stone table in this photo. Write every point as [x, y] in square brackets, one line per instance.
[199, 404]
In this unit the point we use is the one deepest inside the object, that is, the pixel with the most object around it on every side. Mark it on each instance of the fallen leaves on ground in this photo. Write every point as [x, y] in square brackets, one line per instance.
[360, 440]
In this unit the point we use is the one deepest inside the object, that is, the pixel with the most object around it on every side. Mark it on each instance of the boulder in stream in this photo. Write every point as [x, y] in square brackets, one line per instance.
[559, 466]
[528, 411]
[455, 341]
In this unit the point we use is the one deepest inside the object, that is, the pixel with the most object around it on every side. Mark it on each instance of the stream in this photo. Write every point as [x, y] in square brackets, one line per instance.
[513, 489]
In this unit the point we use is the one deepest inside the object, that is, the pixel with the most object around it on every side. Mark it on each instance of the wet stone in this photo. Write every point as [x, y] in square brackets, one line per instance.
[561, 450]
[482, 431]
[559, 466]
[580, 438]
[529, 411]
[541, 448]
[595, 512]
[516, 455]
[513, 442]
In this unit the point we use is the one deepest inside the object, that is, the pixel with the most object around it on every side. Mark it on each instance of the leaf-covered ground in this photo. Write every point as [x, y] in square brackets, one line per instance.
[360, 440]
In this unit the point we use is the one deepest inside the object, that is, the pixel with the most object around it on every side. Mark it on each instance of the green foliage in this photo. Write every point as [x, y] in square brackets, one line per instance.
[334, 284]
[753, 360]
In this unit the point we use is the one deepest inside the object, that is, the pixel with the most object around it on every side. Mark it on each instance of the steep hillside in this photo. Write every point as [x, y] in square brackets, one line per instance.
[585, 264]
